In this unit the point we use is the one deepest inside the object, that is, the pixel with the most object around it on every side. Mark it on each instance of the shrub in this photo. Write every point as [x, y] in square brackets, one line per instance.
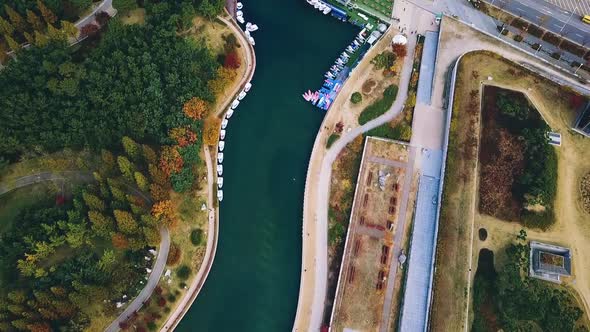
[380, 106]
[333, 138]
[183, 272]
[196, 236]
[356, 98]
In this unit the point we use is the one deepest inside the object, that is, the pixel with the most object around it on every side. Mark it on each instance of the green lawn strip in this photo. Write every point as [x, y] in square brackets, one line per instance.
[380, 106]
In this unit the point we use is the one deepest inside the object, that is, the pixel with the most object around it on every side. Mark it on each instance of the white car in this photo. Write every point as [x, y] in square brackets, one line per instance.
[221, 145]
[241, 95]
[224, 123]
[247, 87]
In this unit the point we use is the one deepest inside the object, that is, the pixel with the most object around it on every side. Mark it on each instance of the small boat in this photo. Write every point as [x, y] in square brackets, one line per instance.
[222, 134]
[247, 87]
[240, 19]
[224, 123]
[241, 95]
[221, 145]
[219, 170]
[220, 157]
[235, 104]
[220, 195]
[219, 182]
[251, 40]
[251, 27]
[229, 113]
[239, 6]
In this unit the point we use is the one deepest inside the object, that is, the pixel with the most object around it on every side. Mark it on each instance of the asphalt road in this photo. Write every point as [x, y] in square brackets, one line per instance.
[556, 19]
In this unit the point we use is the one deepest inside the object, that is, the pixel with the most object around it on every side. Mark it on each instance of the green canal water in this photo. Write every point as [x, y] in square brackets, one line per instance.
[254, 281]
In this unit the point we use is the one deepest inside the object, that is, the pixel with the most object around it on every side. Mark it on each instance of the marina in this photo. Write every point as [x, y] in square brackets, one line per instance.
[348, 59]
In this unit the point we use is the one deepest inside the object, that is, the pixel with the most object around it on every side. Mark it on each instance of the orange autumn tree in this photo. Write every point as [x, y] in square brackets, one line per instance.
[171, 160]
[195, 108]
[183, 136]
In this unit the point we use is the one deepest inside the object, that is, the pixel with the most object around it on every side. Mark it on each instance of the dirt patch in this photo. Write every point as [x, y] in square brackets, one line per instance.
[585, 190]
[368, 86]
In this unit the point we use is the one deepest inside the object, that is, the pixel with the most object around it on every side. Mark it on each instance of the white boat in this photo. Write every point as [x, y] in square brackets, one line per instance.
[240, 13]
[240, 19]
[224, 123]
[221, 145]
[241, 95]
[219, 182]
[220, 157]
[235, 104]
[251, 27]
[229, 113]
[247, 87]
[251, 40]
[219, 170]
[239, 6]
[220, 195]
[222, 134]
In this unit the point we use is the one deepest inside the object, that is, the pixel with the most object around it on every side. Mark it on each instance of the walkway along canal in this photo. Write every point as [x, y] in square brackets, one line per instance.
[254, 281]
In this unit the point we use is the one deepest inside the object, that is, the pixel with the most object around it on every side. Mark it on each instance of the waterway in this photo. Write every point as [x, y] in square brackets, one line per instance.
[254, 281]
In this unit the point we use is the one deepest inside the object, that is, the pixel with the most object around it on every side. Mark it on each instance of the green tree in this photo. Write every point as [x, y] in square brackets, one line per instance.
[41, 40]
[93, 202]
[124, 5]
[47, 14]
[101, 224]
[125, 222]
[34, 21]
[356, 98]
[141, 181]
[30, 39]
[16, 19]
[108, 261]
[132, 149]
[14, 46]
[69, 29]
[126, 168]
[6, 27]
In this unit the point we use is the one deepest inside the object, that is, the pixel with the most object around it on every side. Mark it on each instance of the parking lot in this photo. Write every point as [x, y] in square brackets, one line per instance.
[580, 7]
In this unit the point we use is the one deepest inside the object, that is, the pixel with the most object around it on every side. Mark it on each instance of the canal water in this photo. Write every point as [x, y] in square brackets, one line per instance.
[254, 281]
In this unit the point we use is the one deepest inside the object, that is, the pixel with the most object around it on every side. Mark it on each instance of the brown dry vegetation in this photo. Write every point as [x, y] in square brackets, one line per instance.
[585, 192]
[458, 210]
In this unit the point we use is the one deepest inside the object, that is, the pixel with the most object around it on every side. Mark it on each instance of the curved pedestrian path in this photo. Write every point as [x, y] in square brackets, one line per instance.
[314, 269]
[163, 249]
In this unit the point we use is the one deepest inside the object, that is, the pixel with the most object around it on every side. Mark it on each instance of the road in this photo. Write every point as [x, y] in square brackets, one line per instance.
[312, 297]
[152, 282]
[549, 16]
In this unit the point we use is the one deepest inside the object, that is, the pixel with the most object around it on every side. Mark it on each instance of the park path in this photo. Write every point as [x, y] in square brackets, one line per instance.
[213, 227]
[314, 274]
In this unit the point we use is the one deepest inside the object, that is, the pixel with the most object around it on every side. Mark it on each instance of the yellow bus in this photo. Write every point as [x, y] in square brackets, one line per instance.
[586, 19]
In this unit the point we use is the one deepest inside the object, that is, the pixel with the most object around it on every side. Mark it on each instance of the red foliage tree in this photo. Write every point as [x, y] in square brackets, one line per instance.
[232, 60]
[89, 30]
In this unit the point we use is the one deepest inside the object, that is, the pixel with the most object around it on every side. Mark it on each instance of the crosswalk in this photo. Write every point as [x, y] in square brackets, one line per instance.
[580, 7]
